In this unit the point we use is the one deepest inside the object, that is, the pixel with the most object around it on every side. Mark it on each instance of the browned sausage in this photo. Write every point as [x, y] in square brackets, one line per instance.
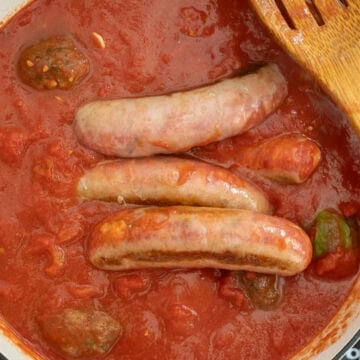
[198, 237]
[177, 122]
[171, 181]
[53, 63]
[290, 158]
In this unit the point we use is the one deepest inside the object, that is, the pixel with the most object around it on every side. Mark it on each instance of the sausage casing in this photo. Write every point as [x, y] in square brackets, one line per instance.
[177, 122]
[198, 237]
[172, 181]
[289, 158]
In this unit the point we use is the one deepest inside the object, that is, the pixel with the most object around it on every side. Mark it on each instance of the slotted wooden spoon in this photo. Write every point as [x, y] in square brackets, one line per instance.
[324, 36]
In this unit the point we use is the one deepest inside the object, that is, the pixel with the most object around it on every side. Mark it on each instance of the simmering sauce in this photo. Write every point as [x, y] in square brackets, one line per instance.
[148, 48]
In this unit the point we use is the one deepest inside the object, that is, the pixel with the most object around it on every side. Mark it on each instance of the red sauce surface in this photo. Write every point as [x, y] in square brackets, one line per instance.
[152, 47]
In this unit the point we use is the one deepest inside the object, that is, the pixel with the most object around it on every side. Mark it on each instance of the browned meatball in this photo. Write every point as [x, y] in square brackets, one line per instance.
[264, 290]
[54, 63]
[78, 333]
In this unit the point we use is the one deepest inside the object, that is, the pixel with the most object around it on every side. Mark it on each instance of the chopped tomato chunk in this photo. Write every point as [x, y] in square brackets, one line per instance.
[338, 265]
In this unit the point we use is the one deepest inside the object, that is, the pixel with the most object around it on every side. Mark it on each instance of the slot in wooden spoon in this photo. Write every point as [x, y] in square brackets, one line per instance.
[323, 36]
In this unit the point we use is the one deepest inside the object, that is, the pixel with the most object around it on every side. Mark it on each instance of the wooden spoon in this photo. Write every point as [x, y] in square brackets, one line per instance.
[323, 36]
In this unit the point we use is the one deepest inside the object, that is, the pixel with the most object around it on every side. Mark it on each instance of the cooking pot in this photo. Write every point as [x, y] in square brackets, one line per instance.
[333, 342]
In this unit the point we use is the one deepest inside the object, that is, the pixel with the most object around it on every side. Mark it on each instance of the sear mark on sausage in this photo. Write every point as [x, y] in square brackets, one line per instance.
[53, 63]
[78, 333]
[226, 258]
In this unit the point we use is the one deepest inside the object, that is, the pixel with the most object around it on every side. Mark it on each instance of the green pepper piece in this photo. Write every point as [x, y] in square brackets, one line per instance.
[346, 234]
[331, 231]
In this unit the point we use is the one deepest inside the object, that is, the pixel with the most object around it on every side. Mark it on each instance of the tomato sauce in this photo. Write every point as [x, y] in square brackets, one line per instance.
[153, 47]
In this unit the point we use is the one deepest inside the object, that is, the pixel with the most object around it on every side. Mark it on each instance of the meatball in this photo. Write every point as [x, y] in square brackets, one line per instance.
[264, 290]
[79, 333]
[54, 63]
